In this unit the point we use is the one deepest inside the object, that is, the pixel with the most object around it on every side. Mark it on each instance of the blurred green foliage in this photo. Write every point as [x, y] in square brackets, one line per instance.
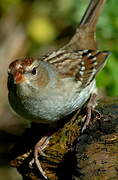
[49, 21]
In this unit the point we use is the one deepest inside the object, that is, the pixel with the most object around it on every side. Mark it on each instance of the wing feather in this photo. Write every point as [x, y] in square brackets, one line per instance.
[81, 64]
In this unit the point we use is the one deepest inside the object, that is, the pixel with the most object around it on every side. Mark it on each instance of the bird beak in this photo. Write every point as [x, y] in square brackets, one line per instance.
[18, 78]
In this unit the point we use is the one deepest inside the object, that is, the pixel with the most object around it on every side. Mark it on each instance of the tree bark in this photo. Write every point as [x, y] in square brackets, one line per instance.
[72, 155]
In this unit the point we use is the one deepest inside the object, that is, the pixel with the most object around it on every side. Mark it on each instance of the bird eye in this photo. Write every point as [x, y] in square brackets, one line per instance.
[33, 71]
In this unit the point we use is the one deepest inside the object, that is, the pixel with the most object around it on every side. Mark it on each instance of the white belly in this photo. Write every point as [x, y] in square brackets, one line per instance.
[57, 105]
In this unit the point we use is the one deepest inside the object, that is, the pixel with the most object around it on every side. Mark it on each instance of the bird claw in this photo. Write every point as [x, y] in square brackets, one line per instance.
[90, 108]
[40, 146]
[31, 163]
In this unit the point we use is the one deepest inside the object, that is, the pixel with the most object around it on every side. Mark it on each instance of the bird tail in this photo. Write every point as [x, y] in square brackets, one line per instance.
[84, 37]
[92, 13]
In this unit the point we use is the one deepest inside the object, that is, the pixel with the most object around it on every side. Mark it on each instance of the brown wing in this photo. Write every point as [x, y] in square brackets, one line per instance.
[81, 64]
[66, 62]
[92, 62]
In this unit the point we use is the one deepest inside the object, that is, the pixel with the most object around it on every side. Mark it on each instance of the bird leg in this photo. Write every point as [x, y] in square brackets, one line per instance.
[89, 108]
[39, 147]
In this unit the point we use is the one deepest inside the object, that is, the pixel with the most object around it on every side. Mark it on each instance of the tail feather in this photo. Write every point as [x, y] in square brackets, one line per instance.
[92, 13]
[84, 37]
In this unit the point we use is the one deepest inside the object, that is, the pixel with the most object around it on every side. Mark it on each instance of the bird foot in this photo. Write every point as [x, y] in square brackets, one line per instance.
[90, 108]
[39, 147]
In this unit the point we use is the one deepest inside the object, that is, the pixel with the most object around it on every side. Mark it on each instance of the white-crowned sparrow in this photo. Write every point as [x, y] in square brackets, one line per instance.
[47, 89]
[54, 86]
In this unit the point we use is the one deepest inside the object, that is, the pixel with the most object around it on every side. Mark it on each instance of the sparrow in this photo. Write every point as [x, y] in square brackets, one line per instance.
[47, 89]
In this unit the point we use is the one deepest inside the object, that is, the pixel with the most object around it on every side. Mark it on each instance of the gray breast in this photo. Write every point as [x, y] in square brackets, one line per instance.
[55, 105]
